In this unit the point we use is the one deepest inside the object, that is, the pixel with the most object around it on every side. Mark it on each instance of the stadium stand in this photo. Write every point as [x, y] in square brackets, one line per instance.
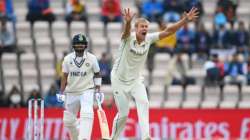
[174, 97]
[193, 96]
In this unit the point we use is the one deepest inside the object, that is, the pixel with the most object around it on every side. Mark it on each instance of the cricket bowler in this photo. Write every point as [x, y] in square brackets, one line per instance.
[126, 77]
[81, 80]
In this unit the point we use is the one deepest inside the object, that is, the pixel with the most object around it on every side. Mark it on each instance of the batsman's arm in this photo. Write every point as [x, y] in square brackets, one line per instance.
[97, 81]
[187, 17]
[97, 75]
[63, 82]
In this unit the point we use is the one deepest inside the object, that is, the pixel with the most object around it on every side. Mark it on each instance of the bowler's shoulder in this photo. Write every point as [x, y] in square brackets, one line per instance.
[129, 38]
[153, 36]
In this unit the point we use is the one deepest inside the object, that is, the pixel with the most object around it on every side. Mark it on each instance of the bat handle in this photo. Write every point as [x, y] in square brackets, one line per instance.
[99, 104]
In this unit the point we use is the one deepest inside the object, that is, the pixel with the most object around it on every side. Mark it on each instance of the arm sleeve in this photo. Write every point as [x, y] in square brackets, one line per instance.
[152, 37]
[96, 67]
[65, 68]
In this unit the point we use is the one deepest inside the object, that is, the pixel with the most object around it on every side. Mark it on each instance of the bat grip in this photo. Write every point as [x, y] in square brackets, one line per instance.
[99, 104]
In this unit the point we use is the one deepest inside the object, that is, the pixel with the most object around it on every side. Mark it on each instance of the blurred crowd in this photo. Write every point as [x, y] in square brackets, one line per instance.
[228, 35]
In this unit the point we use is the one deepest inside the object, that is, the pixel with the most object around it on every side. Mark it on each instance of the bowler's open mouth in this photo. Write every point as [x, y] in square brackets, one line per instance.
[144, 33]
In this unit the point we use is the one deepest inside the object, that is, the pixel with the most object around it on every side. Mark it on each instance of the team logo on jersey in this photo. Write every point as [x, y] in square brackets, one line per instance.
[78, 74]
[139, 49]
[87, 64]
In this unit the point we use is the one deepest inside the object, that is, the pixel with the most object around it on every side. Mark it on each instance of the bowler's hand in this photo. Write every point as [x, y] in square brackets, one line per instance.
[128, 15]
[192, 15]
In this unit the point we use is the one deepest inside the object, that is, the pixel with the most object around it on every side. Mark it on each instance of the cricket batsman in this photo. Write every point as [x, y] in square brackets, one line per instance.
[126, 73]
[81, 80]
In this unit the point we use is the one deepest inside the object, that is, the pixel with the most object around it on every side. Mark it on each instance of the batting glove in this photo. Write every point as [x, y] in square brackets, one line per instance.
[60, 97]
[99, 96]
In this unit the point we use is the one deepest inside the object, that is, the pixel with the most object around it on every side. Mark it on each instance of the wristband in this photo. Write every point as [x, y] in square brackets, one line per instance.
[98, 81]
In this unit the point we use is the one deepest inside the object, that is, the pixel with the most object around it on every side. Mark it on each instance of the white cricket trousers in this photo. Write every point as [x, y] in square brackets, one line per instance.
[84, 104]
[122, 95]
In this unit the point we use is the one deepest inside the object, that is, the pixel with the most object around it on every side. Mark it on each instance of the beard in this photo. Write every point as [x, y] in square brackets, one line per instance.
[79, 52]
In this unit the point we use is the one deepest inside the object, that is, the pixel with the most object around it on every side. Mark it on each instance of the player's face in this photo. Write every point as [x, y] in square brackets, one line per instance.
[142, 30]
[79, 48]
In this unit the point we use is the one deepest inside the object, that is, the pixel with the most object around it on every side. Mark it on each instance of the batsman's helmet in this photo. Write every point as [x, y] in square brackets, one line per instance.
[79, 39]
[79, 43]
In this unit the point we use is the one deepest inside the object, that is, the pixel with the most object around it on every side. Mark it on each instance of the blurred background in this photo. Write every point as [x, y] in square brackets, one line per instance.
[204, 65]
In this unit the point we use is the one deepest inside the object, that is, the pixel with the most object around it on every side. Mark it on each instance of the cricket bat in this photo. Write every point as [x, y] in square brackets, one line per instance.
[103, 122]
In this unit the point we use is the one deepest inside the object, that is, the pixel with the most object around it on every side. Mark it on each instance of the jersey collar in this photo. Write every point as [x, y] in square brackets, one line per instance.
[79, 64]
